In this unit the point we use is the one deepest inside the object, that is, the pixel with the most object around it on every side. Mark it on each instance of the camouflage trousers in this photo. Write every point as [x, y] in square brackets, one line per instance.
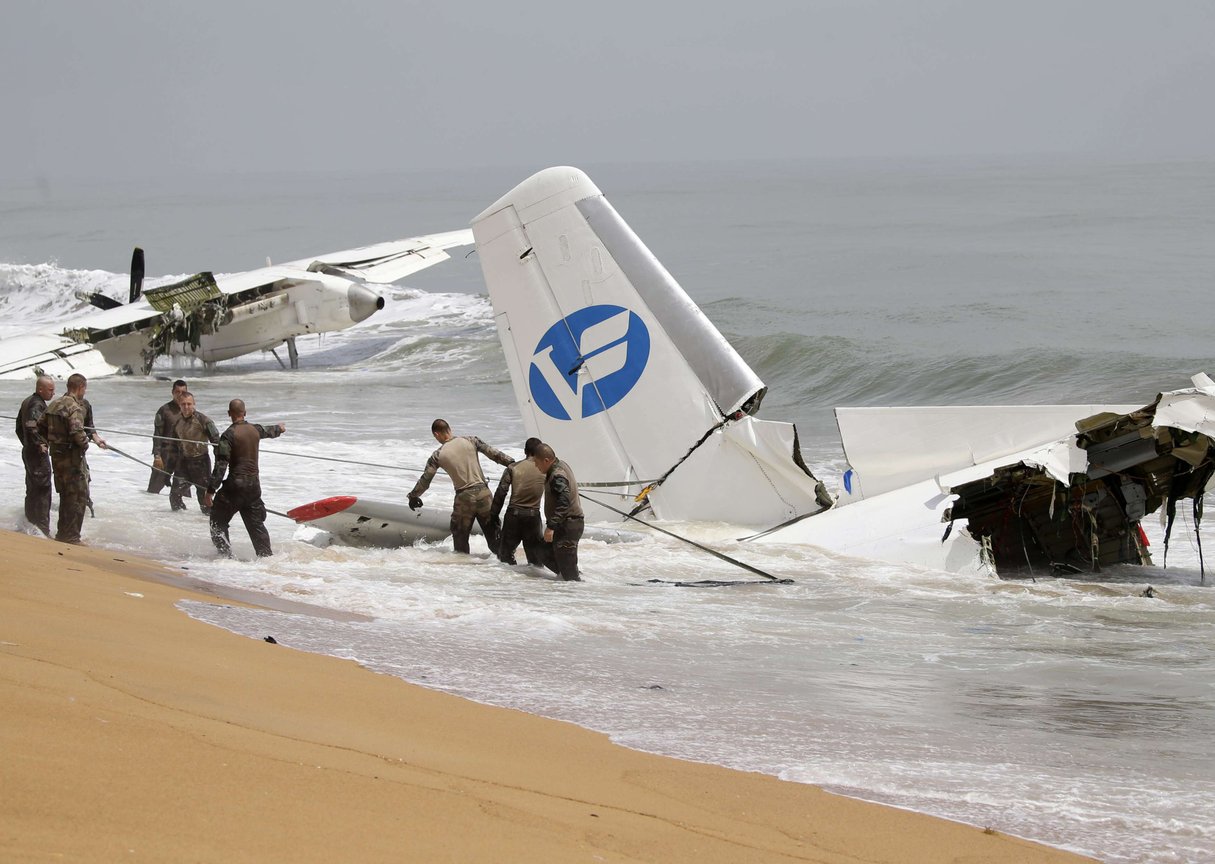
[72, 483]
[37, 489]
[473, 502]
[160, 478]
[190, 472]
[563, 553]
[521, 524]
[243, 495]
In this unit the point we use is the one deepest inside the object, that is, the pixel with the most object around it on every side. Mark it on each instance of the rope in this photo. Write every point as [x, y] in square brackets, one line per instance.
[771, 579]
[605, 484]
[713, 552]
[169, 474]
[272, 452]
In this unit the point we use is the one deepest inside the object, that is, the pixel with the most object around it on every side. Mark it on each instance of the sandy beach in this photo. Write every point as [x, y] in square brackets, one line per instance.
[133, 733]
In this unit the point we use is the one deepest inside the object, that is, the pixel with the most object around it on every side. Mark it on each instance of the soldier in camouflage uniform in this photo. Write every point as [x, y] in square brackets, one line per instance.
[458, 457]
[242, 492]
[34, 455]
[193, 430]
[63, 428]
[522, 520]
[562, 513]
[164, 452]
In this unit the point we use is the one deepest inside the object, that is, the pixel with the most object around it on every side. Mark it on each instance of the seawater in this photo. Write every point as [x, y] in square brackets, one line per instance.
[1075, 712]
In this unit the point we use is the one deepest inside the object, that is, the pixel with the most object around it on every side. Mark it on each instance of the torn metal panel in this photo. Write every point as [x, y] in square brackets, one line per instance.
[888, 448]
[1035, 516]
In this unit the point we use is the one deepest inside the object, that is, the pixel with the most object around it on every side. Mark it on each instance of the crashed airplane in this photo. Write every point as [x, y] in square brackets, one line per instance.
[616, 367]
[220, 317]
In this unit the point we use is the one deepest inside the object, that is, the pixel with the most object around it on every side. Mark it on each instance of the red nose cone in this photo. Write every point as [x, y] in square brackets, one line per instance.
[321, 509]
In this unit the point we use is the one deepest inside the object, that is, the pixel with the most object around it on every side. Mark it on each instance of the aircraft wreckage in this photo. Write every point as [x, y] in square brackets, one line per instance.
[217, 318]
[615, 366]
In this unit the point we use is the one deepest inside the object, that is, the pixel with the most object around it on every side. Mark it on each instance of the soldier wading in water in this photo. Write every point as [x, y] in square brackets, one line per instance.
[236, 455]
[562, 512]
[458, 457]
[192, 468]
[34, 455]
[522, 522]
[164, 452]
[63, 427]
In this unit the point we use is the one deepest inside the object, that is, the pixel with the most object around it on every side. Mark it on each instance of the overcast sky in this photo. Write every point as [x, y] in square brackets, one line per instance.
[126, 88]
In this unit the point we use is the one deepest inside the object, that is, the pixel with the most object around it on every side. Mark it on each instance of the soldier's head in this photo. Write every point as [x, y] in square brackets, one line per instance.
[77, 384]
[544, 457]
[441, 431]
[236, 410]
[45, 387]
[179, 390]
[187, 404]
[529, 447]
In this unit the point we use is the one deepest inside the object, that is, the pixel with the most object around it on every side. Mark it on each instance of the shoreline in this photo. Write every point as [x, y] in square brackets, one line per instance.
[137, 732]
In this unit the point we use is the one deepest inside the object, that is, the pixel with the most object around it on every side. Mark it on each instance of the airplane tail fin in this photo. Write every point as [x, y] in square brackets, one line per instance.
[616, 368]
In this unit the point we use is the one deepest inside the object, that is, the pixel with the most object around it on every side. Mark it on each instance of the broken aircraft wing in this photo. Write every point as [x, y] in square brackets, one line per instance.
[383, 263]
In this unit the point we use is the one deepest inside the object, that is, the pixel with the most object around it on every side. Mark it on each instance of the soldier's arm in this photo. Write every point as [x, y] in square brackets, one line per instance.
[501, 492]
[223, 452]
[432, 467]
[270, 431]
[212, 432]
[559, 488]
[33, 429]
[158, 429]
[76, 428]
[492, 452]
[90, 427]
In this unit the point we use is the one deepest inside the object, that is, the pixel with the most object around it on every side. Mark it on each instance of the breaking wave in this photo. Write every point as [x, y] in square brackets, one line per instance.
[33, 294]
[445, 336]
[836, 370]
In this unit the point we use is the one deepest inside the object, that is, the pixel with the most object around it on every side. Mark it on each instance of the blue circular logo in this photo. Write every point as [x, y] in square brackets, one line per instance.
[612, 344]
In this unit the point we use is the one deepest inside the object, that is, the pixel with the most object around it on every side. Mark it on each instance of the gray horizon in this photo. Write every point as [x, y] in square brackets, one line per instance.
[133, 89]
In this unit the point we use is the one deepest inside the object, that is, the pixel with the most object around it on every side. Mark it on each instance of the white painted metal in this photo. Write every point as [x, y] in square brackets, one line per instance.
[296, 299]
[888, 448]
[586, 315]
[387, 525]
[552, 247]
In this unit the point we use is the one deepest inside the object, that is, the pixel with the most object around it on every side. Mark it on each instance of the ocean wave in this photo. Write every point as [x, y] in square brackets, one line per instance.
[33, 294]
[836, 370]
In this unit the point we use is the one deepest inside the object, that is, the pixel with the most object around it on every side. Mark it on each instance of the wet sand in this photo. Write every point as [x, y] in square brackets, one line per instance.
[132, 732]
